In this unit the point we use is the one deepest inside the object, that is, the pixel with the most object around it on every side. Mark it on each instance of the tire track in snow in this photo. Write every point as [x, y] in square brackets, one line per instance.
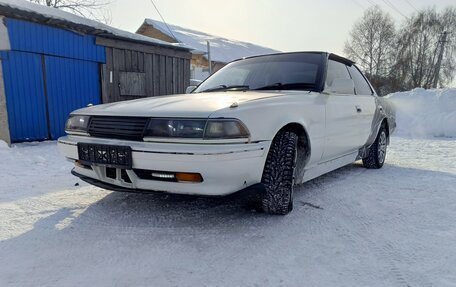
[382, 247]
[391, 258]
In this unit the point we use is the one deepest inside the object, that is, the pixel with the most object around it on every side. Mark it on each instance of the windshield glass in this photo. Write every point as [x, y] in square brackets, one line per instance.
[297, 71]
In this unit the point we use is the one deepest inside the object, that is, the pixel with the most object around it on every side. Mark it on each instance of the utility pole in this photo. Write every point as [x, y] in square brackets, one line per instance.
[442, 41]
[209, 57]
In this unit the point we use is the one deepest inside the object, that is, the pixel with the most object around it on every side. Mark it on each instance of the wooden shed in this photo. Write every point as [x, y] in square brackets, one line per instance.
[134, 70]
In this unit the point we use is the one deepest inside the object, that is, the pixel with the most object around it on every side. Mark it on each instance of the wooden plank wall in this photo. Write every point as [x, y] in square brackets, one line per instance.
[166, 71]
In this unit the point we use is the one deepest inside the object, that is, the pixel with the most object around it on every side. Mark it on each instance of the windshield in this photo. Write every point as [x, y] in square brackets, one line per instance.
[297, 71]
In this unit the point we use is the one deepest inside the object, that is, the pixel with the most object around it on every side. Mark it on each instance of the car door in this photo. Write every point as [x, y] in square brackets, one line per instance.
[365, 103]
[342, 119]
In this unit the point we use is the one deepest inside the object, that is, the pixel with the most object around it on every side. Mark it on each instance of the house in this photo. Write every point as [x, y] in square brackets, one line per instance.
[222, 50]
[53, 62]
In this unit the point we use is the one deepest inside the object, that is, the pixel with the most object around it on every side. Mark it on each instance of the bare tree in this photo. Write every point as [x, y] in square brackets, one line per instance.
[371, 44]
[421, 41]
[93, 9]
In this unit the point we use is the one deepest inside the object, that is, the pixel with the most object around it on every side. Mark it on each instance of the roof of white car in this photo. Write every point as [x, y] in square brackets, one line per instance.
[331, 56]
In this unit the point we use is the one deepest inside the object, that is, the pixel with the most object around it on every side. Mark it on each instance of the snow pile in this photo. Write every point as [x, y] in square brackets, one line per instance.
[3, 145]
[222, 49]
[56, 14]
[425, 113]
[32, 168]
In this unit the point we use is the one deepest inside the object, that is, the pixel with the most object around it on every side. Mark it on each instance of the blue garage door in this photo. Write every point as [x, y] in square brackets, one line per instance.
[24, 88]
[41, 91]
[70, 84]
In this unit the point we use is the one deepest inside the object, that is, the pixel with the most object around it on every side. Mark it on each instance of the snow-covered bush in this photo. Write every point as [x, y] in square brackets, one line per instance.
[425, 113]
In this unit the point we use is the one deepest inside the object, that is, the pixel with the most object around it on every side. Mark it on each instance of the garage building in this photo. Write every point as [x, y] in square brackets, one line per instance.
[53, 62]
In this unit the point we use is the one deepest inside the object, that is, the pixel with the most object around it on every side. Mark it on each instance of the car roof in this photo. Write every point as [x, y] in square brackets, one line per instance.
[331, 56]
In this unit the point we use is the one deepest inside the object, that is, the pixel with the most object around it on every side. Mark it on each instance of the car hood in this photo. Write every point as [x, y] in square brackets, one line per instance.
[186, 105]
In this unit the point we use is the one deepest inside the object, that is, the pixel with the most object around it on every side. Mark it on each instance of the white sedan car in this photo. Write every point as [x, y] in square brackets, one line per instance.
[273, 121]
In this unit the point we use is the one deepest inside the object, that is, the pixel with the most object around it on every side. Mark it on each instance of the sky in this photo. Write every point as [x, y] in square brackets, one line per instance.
[286, 25]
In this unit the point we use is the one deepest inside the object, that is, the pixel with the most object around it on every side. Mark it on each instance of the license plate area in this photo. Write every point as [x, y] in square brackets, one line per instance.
[105, 155]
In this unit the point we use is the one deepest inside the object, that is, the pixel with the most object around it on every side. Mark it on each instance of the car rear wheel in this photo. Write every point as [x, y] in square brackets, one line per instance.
[279, 173]
[377, 152]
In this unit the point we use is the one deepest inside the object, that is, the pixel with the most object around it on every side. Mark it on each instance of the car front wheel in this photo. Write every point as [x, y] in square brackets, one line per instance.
[278, 174]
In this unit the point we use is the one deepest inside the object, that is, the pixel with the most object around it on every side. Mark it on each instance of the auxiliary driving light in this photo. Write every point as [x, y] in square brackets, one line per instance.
[163, 175]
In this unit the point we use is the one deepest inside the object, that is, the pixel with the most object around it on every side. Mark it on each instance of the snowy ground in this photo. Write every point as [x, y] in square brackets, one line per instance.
[353, 227]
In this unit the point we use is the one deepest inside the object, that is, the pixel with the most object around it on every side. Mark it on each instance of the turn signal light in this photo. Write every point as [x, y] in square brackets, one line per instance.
[189, 177]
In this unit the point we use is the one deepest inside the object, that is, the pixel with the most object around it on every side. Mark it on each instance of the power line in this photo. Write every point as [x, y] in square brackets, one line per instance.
[359, 4]
[391, 5]
[163, 19]
[371, 3]
[411, 5]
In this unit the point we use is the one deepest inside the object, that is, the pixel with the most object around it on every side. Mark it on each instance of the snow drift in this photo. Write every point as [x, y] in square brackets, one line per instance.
[425, 113]
[3, 145]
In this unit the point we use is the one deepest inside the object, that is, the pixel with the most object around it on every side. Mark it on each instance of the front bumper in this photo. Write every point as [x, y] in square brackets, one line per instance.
[225, 168]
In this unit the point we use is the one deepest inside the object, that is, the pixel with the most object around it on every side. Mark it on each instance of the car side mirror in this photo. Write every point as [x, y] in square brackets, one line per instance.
[342, 86]
[190, 89]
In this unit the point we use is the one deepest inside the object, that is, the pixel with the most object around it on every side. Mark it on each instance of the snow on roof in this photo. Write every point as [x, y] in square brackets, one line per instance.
[222, 49]
[19, 8]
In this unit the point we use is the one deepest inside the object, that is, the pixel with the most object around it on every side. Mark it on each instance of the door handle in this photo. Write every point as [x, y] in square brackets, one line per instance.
[358, 109]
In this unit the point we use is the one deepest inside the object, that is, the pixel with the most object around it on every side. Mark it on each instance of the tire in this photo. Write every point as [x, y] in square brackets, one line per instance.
[377, 152]
[278, 174]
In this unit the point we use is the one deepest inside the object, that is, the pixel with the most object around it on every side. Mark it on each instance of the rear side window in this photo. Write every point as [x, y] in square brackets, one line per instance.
[361, 86]
[336, 70]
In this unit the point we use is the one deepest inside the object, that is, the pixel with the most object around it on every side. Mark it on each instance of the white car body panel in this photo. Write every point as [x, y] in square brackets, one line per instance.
[188, 105]
[240, 165]
[304, 108]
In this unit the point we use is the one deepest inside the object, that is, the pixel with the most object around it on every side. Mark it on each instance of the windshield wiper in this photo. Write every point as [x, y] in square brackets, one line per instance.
[227, 88]
[290, 86]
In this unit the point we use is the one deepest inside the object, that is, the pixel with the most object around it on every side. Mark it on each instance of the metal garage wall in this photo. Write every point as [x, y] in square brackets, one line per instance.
[71, 84]
[24, 88]
[48, 73]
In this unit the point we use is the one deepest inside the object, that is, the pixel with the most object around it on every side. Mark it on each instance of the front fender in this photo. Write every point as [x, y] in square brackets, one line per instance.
[265, 117]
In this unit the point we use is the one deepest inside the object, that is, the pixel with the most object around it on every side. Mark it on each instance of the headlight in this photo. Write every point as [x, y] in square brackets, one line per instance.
[212, 129]
[175, 128]
[225, 129]
[77, 124]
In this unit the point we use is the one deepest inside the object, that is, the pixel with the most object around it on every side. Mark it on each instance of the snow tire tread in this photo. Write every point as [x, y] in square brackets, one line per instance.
[278, 174]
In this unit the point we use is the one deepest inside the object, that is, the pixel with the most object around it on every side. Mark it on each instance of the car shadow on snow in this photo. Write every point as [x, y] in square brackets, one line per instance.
[240, 210]
[167, 210]
[123, 226]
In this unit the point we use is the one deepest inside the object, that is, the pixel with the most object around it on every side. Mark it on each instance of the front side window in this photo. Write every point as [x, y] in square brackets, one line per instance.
[299, 71]
[361, 85]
